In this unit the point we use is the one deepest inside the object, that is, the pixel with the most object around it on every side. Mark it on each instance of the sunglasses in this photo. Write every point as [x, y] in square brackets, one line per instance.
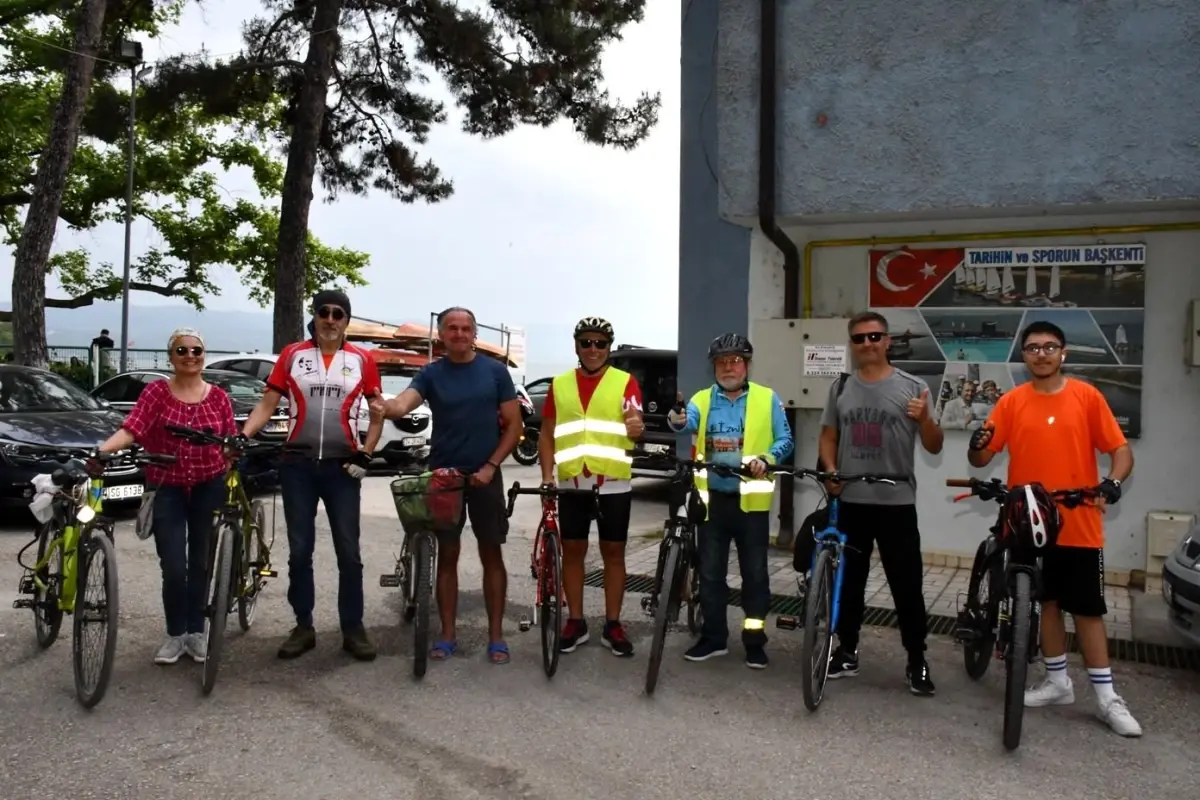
[594, 344]
[326, 312]
[874, 336]
[183, 351]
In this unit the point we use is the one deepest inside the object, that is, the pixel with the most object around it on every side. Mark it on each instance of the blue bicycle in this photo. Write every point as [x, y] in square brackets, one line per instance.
[822, 600]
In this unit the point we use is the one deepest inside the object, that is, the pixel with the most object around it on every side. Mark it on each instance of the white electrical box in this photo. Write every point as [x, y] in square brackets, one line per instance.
[1164, 531]
[1191, 345]
[800, 358]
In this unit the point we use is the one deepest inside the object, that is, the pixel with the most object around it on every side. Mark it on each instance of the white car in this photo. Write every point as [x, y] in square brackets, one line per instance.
[404, 442]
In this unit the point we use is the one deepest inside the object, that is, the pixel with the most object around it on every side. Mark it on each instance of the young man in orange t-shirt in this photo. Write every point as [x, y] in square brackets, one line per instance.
[1052, 426]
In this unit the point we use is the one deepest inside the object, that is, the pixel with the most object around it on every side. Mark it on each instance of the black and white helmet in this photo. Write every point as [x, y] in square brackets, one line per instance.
[730, 344]
[594, 325]
[1032, 517]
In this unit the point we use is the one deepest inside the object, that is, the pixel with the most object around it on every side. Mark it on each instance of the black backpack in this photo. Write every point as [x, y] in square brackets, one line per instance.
[804, 544]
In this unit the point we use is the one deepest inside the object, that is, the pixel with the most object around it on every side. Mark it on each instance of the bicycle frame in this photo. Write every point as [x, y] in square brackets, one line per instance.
[831, 538]
[91, 497]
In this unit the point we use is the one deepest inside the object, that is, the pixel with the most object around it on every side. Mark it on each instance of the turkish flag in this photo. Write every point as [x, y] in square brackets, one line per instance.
[903, 278]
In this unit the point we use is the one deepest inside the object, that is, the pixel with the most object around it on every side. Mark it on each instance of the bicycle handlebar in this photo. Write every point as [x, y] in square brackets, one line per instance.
[238, 443]
[996, 490]
[544, 492]
[58, 455]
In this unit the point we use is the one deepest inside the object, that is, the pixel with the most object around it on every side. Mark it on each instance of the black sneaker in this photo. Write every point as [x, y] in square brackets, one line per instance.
[574, 633]
[299, 641]
[358, 645]
[918, 680]
[843, 664]
[756, 657]
[614, 636]
[703, 650]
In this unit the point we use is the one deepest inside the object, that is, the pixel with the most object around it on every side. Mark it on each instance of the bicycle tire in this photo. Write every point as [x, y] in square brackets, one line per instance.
[423, 567]
[222, 574]
[47, 616]
[253, 560]
[551, 610]
[662, 614]
[694, 611]
[1017, 661]
[89, 547]
[820, 594]
[977, 654]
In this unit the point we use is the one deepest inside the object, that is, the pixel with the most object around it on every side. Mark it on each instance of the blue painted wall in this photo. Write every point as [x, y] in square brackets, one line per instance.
[935, 106]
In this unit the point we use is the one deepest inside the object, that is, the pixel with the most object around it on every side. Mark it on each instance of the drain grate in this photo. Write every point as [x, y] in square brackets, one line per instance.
[788, 605]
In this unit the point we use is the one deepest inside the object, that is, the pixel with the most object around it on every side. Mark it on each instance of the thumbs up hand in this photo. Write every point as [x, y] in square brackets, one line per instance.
[918, 407]
[677, 416]
[634, 426]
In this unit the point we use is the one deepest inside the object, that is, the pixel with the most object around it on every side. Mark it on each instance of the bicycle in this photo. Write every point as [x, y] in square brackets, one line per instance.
[546, 568]
[239, 555]
[677, 574]
[823, 596]
[1007, 621]
[427, 503]
[67, 548]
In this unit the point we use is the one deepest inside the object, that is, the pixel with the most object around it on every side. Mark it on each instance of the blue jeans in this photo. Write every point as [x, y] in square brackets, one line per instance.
[302, 482]
[751, 532]
[183, 523]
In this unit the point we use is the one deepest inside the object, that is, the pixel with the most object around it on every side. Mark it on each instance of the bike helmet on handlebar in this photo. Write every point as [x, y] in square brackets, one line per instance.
[730, 344]
[594, 325]
[1032, 517]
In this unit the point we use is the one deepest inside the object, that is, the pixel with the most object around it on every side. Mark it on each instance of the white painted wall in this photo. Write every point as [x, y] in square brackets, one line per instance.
[1167, 472]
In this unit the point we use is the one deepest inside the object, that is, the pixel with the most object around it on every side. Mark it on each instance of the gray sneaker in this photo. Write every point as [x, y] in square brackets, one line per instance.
[171, 651]
[197, 647]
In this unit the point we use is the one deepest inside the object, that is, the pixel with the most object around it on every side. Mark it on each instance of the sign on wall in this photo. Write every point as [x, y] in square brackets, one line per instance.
[955, 313]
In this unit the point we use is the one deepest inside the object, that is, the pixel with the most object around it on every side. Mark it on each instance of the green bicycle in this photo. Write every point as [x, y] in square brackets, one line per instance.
[239, 553]
[73, 542]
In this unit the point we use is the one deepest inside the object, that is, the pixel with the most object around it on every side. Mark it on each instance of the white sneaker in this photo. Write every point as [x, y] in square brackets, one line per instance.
[171, 651]
[197, 647]
[1116, 715]
[1049, 693]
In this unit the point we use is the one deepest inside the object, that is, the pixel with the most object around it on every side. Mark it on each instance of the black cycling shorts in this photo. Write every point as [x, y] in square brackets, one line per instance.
[1073, 577]
[576, 512]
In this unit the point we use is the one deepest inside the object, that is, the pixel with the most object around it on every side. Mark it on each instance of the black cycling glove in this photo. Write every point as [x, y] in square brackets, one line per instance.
[1110, 490]
[981, 438]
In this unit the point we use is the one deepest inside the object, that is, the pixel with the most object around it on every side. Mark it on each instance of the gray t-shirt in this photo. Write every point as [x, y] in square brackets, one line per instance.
[876, 435]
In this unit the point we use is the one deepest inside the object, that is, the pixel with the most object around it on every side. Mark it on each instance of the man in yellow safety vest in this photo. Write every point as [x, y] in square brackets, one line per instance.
[736, 422]
[595, 413]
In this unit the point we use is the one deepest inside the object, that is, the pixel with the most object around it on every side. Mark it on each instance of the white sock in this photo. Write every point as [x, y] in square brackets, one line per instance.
[1102, 683]
[1056, 670]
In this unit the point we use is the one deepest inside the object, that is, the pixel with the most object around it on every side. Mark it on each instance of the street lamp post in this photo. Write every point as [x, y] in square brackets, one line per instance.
[130, 53]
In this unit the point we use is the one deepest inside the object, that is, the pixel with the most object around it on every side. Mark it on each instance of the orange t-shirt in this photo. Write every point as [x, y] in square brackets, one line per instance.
[1052, 439]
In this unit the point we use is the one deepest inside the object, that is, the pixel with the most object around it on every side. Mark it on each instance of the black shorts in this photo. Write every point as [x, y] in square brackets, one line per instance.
[1073, 577]
[487, 508]
[576, 512]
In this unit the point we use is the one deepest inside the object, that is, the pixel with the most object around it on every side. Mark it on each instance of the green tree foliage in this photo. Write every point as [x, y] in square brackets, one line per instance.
[505, 62]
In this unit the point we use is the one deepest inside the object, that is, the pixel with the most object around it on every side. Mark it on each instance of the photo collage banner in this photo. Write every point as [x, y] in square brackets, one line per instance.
[955, 313]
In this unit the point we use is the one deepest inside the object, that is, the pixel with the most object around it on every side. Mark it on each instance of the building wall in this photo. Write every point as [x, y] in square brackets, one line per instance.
[905, 108]
[1164, 474]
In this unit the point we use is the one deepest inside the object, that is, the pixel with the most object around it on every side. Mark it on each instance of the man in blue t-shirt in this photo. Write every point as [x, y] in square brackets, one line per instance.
[477, 423]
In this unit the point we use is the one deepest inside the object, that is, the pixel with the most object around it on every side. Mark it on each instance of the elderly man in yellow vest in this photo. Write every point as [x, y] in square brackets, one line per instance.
[595, 412]
[735, 422]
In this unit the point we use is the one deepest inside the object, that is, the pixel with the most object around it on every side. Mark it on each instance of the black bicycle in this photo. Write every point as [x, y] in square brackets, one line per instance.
[1002, 613]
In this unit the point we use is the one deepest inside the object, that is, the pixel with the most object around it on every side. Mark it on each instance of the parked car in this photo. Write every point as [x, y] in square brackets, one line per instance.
[403, 443]
[1181, 587]
[657, 373]
[40, 407]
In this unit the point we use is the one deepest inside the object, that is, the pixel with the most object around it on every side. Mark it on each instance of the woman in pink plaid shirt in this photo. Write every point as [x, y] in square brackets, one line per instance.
[188, 491]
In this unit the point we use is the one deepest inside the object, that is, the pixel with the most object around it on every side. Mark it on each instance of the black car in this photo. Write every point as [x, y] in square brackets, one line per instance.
[657, 373]
[40, 407]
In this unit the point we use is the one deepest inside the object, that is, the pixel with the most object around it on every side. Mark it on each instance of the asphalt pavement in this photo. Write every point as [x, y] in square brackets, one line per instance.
[324, 726]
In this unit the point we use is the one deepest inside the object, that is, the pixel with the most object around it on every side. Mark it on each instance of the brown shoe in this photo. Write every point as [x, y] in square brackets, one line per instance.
[300, 641]
[358, 645]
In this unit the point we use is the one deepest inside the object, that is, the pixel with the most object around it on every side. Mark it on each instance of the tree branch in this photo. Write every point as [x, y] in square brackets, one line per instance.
[276, 25]
[27, 8]
[22, 198]
[109, 292]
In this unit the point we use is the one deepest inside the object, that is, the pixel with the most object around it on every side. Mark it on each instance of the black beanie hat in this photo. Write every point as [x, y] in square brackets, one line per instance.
[331, 297]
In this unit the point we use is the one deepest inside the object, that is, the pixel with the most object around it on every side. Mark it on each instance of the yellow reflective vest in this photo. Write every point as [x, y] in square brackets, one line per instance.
[757, 438]
[594, 439]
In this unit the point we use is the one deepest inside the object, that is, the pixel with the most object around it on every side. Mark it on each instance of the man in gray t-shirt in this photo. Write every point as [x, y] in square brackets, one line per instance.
[872, 426]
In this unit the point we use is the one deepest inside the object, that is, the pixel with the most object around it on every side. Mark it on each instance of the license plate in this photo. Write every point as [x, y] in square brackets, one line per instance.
[280, 426]
[656, 448]
[412, 441]
[123, 492]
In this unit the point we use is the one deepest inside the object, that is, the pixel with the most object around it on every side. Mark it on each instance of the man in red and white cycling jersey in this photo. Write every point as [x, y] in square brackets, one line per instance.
[323, 379]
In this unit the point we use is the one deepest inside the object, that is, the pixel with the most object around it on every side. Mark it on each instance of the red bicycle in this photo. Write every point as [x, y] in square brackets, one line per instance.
[546, 568]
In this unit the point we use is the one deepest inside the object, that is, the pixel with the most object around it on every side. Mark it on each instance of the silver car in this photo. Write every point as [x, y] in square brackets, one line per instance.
[1181, 587]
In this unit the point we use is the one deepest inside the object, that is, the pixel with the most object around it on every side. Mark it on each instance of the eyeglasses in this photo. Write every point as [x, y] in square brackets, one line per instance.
[874, 336]
[183, 351]
[325, 312]
[729, 361]
[1049, 348]
[593, 344]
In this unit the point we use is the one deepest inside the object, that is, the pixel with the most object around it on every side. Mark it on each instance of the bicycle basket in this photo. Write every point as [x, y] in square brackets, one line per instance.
[431, 501]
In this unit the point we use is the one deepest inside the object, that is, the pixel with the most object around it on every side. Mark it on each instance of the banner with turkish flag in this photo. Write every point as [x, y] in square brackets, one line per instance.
[903, 278]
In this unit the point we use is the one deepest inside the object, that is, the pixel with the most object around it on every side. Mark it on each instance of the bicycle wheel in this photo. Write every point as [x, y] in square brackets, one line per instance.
[551, 610]
[47, 616]
[983, 609]
[218, 609]
[254, 559]
[818, 633]
[423, 569]
[694, 611]
[96, 604]
[667, 603]
[1017, 661]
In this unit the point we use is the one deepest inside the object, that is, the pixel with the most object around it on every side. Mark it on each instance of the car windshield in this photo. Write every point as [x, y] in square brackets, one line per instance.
[239, 387]
[395, 384]
[24, 392]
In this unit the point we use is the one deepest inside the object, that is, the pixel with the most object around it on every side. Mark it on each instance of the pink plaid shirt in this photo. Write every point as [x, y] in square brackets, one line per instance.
[156, 408]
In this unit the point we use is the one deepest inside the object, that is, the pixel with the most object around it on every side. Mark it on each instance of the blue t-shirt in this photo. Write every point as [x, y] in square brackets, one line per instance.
[465, 400]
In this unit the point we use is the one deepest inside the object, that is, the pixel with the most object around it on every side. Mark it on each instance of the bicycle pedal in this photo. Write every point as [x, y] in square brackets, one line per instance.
[525, 625]
[27, 586]
[787, 623]
[25, 602]
[391, 581]
[268, 573]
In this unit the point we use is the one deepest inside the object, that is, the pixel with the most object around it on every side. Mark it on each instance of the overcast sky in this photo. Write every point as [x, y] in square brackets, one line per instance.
[541, 229]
